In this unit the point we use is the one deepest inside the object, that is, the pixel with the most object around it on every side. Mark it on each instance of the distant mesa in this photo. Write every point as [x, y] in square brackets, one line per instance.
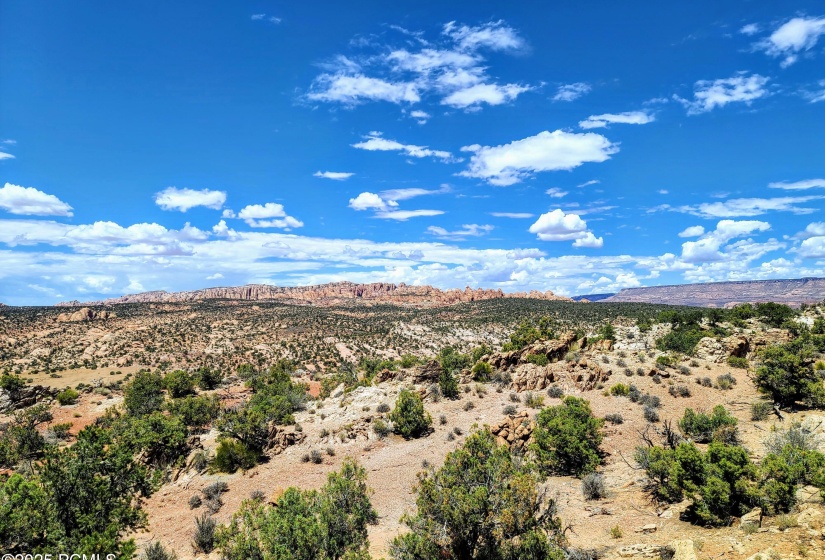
[326, 294]
[793, 292]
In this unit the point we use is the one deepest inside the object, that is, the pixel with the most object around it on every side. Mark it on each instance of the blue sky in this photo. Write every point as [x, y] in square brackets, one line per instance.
[573, 148]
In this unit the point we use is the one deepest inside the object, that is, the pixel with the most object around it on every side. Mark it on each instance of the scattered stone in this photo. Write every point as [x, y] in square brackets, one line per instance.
[753, 517]
[649, 528]
[683, 549]
[641, 551]
[515, 431]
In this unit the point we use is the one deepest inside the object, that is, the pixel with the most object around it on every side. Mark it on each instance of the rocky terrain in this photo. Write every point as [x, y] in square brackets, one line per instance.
[328, 294]
[97, 350]
[727, 294]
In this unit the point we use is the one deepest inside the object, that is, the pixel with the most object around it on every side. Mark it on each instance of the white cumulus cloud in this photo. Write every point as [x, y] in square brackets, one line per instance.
[692, 231]
[792, 37]
[546, 151]
[172, 198]
[269, 215]
[558, 226]
[491, 94]
[29, 201]
[708, 247]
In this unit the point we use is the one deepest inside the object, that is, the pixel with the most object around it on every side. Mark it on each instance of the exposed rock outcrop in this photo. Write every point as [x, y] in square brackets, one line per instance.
[515, 431]
[335, 292]
[84, 314]
[24, 397]
[553, 350]
[281, 437]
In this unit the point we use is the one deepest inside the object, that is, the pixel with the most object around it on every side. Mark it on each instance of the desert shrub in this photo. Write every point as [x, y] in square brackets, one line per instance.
[483, 517]
[20, 439]
[533, 400]
[684, 370]
[144, 395]
[701, 427]
[383, 408]
[738, 362]
[725, 381]
[665, 361]
[304, 524]
[555, 392]
[594, 487]
[11, 384]
[721, 483]
[316, 457]
[640, 372]
[67, 396]
[452, 360]
[614, 418]
[179, 383]
[208, 378]
[567, 438]
[156, 551]
[682, 339]
[514, 398]
[409, 418]
[656, 378]
[468, 406]
[704, 381]
[616, 532]
[442, 419]
[195, 501]
[785, 374]
[680, 390]
[409, 360]
[232, 455]
[537, 359]
[650, 414]
[530, 331]
[195, 412]
[621, 363]
[448, 384]
[159, 439]
[49, 508]
[482, 371]
[619, 390]
[380, 428]
[774, 314]
[606, 332]
[203, 540]
[61, 431]
[760, 411]
[510, 409]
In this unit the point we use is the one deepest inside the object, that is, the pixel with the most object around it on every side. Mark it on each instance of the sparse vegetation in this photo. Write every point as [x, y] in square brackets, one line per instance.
[567, 438]
[409, 418]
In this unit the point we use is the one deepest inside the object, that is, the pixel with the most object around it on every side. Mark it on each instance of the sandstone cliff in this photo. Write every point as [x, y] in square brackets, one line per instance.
[378, 292]
[727, 294]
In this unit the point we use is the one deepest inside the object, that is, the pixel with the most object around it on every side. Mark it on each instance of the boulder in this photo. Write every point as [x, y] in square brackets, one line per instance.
[430, 372]
[683, 549]
[711, 350]
[26, 396]
[530, 377]
[641, 551]
[514, 431]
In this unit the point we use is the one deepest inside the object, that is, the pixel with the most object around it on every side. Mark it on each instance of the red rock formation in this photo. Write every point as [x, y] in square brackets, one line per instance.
[378, 292]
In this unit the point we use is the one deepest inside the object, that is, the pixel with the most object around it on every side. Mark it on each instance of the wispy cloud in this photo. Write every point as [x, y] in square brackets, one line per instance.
[467, 230]
[631, 117]
[556, 192]
[710, 94]
[514, 215]
[386, 207]
[571, 92]
[450, 67]
[741, 207]
[375, 142]
[334, 175]
[799, 185]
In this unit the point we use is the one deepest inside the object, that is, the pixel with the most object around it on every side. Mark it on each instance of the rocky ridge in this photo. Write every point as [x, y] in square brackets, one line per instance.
[793, 292]
[327, 294]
